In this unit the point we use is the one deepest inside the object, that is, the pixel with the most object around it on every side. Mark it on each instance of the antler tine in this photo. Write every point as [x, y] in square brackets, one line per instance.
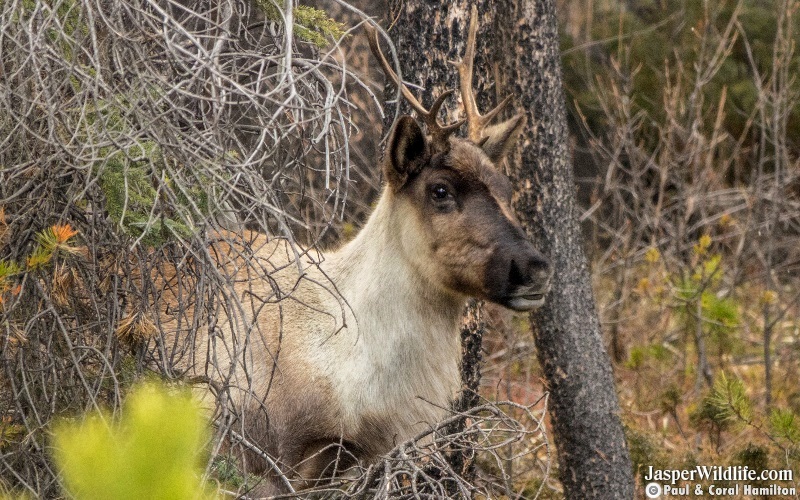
[372, 37]
[437, 130]
[430, 117]
[476, 122]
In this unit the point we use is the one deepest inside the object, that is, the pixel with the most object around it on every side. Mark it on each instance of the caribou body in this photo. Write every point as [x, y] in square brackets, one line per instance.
[363, 349]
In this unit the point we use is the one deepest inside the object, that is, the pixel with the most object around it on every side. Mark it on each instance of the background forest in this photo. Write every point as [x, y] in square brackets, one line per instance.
[684, 124]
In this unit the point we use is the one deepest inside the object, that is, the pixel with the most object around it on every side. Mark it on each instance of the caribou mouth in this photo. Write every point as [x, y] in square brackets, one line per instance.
[525, 301]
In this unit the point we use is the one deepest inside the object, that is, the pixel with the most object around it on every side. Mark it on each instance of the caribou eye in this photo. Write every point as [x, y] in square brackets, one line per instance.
[440, 192]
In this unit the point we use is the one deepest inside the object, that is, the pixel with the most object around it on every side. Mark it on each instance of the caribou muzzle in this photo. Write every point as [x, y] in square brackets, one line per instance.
[521, 277]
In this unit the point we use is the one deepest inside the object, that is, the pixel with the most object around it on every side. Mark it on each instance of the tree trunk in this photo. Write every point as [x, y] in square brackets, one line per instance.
[427, 35]
[520, 40]
[472, 330]
[593, 455]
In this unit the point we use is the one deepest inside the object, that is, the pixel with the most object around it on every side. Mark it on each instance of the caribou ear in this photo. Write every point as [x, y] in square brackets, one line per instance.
[406, 152]
[500, 138]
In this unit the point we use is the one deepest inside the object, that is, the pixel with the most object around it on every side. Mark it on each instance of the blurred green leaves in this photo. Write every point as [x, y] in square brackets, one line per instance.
[155, 451]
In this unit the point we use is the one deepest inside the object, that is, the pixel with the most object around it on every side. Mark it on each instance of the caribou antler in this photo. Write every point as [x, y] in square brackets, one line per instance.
[438, 131]
[476, 123]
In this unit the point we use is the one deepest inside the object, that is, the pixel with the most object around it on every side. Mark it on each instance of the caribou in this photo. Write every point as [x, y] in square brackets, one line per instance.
[362, 351]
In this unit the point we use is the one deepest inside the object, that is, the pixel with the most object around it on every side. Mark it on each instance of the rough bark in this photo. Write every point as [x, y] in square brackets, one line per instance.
[519, 37]
[472, 332]
[593, 456]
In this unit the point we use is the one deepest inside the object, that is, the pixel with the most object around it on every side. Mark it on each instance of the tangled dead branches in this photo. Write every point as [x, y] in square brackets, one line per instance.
[131, 132]
[138, 140]
[495, 435]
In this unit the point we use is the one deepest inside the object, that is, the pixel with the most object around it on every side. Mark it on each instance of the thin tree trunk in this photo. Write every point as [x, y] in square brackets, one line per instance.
[520, 39]
[472, 332]
[593, 455]
[703, 368]
[767, 356]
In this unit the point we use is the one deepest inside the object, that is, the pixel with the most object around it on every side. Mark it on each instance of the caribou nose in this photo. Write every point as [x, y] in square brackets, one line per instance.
[531, 270]
[528, 281]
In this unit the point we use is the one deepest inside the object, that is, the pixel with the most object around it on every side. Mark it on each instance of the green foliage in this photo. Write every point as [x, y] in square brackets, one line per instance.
[65, 23]
[51, 241]
[39, 258]
[8, 269]
[226, 470]
[722, 312]
[698, 292]
[641, 355]
[314, 25]
[155, 451]
[754, 456]
[10, 433]
[727, 403]
[785, 425]
[128, 181]
[721, 315]
[310, 24]
[71, 23]
[140, 197]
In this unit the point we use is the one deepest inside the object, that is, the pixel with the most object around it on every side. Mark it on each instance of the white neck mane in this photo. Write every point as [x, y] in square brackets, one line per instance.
[401, 345]
[373, 271]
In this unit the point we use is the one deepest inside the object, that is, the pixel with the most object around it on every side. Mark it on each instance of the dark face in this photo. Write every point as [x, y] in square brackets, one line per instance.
[465, 235]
